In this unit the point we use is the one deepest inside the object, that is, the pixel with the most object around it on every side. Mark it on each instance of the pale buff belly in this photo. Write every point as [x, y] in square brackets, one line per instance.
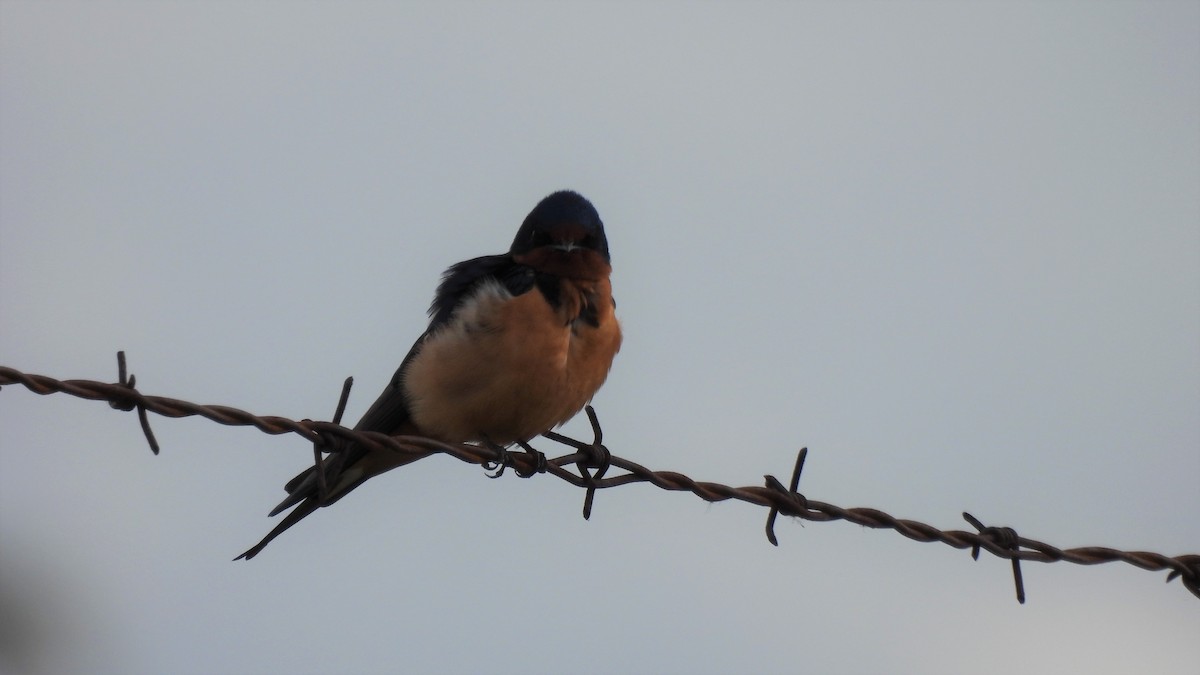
[507, 369]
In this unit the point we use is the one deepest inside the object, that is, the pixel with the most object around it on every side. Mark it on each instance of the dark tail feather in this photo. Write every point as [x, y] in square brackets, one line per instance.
[298, 489]
[306, 507]
[306, 483]
[300, 478]
[301, 490]
[343, 472]
[305, 486]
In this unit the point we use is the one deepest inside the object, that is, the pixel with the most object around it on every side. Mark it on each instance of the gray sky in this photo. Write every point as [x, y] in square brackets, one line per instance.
[953, 248]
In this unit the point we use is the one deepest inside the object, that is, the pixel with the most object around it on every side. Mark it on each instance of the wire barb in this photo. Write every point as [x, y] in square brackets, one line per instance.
[130, 404]
[593, 455]
[1006, 538]
[325, 442]
[772, 496]
[792, 492]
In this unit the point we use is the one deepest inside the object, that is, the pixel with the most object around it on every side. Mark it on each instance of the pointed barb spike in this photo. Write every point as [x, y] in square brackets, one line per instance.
[588, 497]
[342, 400]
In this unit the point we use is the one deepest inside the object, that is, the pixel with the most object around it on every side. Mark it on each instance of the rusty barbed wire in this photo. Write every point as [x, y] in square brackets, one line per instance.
[1002, 542]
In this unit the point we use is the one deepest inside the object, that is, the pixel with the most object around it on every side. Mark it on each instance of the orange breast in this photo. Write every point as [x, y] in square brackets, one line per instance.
[508, 368]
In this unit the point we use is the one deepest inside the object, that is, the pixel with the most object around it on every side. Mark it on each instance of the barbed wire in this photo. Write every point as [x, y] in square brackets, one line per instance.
[1002, 542]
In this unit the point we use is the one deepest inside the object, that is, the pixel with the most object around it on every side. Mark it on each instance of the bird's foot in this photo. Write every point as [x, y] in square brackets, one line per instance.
[506, 460]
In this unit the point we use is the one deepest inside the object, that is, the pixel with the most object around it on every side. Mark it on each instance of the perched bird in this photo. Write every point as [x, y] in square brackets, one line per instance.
[517, 344]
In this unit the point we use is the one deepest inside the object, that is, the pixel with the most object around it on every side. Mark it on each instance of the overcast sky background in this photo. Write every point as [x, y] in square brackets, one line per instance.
[953, 248]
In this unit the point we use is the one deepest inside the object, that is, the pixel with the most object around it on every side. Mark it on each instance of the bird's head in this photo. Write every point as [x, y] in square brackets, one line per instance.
[563, 236]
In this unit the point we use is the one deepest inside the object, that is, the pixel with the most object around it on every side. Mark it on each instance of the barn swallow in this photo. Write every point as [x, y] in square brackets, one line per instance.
[517, 344]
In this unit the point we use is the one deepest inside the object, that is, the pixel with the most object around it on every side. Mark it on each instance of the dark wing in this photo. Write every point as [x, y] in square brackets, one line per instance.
[389, 414]
[462, 279]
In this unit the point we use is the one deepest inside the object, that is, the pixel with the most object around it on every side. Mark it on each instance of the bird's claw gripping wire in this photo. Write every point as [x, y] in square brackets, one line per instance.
[505, 460]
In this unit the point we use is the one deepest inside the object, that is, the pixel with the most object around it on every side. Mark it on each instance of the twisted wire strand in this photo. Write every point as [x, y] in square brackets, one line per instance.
[1001, 542]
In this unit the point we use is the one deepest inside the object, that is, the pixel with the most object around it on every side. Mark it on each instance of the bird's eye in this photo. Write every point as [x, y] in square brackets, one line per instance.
[540, 238]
